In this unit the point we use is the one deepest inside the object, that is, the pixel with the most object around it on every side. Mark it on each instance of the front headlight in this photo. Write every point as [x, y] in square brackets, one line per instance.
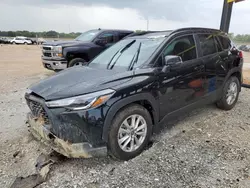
[57, 49]
[83, 102]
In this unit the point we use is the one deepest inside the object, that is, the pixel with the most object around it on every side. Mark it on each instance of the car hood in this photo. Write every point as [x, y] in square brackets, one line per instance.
[64, 43]
[79, 80]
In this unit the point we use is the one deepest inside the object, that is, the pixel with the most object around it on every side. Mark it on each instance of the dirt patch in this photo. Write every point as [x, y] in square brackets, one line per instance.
[246, 68]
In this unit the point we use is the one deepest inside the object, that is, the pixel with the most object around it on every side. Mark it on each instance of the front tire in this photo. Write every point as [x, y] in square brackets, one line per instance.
[130, 132]
[230, 94]
[76, 62]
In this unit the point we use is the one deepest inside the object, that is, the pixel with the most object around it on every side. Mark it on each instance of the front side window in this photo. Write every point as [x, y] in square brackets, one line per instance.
[207, 44]
[183, 47]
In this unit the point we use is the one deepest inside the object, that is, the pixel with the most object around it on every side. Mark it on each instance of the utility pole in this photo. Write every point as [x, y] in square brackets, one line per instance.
[226, 14]
[147, 23]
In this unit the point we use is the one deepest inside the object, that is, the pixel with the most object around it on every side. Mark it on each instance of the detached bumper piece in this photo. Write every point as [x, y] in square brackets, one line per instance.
[75, 150]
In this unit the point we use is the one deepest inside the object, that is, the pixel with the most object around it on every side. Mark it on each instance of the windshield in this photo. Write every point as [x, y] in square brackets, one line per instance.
[88, 36]
[128, 52]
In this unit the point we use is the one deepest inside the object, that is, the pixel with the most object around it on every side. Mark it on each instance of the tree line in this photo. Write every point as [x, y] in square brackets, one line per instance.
[44, 34]
[240, 38]
[54, 34]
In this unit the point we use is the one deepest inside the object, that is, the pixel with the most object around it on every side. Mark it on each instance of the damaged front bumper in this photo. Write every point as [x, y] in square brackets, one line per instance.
[71, 150]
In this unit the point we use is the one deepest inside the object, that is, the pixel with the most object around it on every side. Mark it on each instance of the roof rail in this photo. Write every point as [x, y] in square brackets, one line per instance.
[144, 33]
[139, 33]
[197, 29]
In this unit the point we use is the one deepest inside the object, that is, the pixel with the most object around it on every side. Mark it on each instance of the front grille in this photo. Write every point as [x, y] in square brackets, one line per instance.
[47, 48]
[38, 111]
[47, 54]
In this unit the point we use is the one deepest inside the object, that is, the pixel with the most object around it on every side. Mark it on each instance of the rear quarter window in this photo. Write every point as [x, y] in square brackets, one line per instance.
[225, 42]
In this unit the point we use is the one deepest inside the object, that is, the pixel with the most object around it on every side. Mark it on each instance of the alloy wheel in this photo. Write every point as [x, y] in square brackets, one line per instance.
[231, 93]
[132, 133]
[79, 64]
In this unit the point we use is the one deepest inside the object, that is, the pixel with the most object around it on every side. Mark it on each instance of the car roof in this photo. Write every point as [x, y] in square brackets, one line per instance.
[118, 30]
[198, 29]
[21, 37]
[146, 34]
[150, 34]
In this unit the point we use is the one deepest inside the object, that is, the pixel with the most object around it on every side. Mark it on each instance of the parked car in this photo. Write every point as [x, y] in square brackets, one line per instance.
[245, 48]
[59, 55]
[33, 40]
[114, 103]
[41, 40]
[4, 40]
[21, 40]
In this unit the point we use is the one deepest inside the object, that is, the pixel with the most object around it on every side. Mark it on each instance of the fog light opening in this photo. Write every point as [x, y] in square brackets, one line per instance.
[51, 136]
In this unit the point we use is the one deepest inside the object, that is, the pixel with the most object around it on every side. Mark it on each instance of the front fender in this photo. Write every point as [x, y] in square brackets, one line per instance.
[124, 102]
[70, 52]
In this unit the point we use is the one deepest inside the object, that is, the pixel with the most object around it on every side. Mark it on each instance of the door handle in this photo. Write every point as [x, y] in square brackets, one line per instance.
[199, 67]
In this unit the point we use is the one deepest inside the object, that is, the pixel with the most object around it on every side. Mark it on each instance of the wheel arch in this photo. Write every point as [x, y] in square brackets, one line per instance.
[238, 75]
[71, 56]
[72, 53]
[146, 100]
[237, 72]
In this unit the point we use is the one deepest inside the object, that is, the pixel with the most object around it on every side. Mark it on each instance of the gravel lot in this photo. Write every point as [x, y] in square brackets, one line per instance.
[205, 148]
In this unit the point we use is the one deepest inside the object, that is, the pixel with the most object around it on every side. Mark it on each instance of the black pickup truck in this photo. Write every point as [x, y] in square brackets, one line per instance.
[59, 55]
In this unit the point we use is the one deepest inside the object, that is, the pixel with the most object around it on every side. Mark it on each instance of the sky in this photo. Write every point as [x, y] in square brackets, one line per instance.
[81, 15]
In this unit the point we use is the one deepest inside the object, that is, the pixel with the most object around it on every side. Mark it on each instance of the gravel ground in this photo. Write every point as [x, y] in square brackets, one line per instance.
[204, 148]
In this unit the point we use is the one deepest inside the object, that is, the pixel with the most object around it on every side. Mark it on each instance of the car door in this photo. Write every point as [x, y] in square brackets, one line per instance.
[22, 40]
[103, 41]
[209, 48]
[183, 85]
[108, 38]
[17, 40]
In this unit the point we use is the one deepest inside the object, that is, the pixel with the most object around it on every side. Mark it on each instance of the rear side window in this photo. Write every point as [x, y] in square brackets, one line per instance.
[208, 45]
[109, 37]
[122, 35]
[225, 42]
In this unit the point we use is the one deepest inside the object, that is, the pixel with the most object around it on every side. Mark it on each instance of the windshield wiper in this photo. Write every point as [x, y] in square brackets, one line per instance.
[121, 51]
[135, 58]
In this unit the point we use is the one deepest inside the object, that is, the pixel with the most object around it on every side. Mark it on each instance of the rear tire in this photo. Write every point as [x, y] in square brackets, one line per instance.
[230, 94]
[76, 62]
[137, 136]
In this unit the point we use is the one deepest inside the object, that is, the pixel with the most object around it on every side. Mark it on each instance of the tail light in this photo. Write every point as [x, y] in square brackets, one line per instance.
[241, 54]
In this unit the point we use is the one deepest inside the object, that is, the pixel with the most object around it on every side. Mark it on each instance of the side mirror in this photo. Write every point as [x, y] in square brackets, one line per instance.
[171, 62]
